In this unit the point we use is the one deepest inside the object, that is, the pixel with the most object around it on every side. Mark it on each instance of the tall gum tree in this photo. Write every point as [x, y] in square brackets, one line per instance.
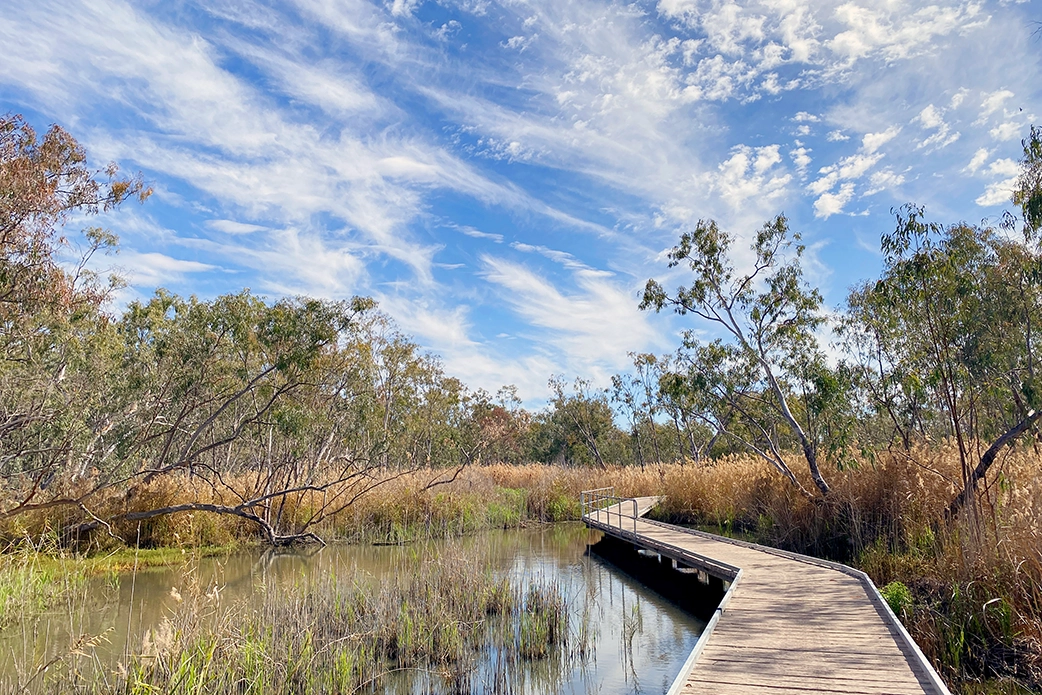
[952, 328]
[55, 338]
[768, 315]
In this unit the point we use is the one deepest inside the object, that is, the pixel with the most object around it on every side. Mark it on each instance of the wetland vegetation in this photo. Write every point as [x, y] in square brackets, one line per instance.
[516, 611]
[177, 423]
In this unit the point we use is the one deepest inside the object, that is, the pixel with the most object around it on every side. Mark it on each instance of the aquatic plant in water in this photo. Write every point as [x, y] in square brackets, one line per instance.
[456, 624]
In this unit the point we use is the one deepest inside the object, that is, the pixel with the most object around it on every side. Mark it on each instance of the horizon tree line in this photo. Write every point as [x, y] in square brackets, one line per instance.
[311, 403]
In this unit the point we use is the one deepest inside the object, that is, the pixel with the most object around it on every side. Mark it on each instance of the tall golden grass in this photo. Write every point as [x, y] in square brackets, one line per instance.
[975, 585]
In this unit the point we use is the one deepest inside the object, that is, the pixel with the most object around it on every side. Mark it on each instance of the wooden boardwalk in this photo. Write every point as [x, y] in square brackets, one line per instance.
[788, 624]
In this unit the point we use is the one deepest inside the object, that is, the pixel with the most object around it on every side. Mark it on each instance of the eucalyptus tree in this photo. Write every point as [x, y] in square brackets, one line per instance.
[641, 397]
[960, 305]
[945, 342]
[509, 425]
[768, 315]
[625, 394]
[404, 400]
[56, 342]
[1028, 193]
[578, 426]
[207, 392]
[42, 183]
[248, 407]
[894, 402]
[647, 368]
[689, 407]
[491, 429]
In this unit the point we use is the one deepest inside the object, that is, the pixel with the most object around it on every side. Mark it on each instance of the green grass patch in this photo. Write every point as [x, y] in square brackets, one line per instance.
[34, 582]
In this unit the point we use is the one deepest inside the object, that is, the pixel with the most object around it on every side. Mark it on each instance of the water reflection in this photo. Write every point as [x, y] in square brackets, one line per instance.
[639, 639]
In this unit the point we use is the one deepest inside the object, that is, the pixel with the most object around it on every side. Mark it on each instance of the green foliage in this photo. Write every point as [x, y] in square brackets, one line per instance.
[751, 378]
[1028, 193]
[943, 344]
[898, 597]
[578, 429]
[54, 334]
[276, 412]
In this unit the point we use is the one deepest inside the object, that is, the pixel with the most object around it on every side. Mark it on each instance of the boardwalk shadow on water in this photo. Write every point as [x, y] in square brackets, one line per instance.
[683, 588]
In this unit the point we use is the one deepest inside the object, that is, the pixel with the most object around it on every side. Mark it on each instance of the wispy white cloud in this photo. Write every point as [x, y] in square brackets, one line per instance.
[478, 234]
[999, 191]
[1010, 130]
[148, 270]
[828, 39]
[958, 98]
[291, 261]
[992, 102]
[233, 227]
[562, 257]
[884, 180]
[328, 147]
[801, 158]
[258, 157]
[598, 322]
[829, 204]
[932, 118]
[750, 172]
[1010, 122]
[1004, 167]
[996, 193]
[850, 169]
[896, 36]
[979, 157]
[873, 141]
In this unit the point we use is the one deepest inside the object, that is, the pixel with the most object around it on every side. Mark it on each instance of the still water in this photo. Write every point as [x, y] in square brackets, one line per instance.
[640, 640]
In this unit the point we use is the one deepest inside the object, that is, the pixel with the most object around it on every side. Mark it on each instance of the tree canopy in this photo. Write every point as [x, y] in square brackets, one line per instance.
[258, 407]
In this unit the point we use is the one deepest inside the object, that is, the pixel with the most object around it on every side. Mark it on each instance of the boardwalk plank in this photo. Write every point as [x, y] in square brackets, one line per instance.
[737, 687]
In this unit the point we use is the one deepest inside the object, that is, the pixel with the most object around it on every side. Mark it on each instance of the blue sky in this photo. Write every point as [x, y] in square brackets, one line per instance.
[504, 176]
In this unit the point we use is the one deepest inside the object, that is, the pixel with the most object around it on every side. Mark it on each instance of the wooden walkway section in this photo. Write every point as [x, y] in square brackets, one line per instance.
[788, 624]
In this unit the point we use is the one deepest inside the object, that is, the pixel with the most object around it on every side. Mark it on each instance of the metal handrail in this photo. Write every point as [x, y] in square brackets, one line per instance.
[603, 500]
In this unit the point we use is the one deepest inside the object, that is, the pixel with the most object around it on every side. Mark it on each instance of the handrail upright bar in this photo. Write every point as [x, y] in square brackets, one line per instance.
[604, 499]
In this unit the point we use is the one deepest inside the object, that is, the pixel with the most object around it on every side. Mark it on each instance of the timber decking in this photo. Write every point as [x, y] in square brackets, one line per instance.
[789, 624]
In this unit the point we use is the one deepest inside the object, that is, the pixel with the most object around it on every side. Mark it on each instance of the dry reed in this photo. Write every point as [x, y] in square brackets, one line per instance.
[339, 632]
[975, 585]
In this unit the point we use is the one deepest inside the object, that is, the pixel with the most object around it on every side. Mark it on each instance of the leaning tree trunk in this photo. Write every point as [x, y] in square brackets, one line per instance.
[970, 488]
[242, 511]
[805, 443]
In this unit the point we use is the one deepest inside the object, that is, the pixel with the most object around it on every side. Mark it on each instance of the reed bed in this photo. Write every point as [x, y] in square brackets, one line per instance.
[972, 589]
[342, 632]
[32, 583]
